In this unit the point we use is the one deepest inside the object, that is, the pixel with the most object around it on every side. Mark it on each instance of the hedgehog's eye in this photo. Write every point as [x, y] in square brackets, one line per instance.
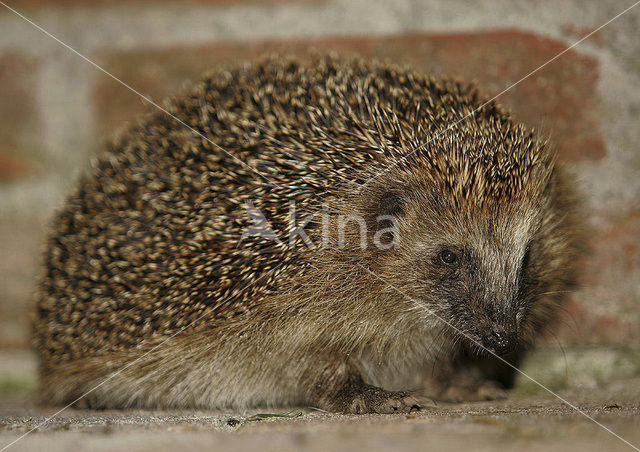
[449, 258]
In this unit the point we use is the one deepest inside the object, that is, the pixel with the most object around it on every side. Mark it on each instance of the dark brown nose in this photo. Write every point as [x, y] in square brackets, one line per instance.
[499, 342]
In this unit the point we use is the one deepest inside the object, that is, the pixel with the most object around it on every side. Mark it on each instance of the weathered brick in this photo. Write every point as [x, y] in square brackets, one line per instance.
[19, 123]
[12, 167]
[605, 311]
[561, 98]
[20, 148]
[20, 247]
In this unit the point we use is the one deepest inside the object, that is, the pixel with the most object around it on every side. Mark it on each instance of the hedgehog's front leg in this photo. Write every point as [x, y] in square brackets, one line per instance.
[340, 387]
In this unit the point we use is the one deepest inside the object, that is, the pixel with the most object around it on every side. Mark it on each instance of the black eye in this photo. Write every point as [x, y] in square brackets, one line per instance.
[449, 257]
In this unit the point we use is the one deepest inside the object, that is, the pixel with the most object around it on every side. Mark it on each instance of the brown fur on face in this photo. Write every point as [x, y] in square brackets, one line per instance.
[147, 282]
[514, 260]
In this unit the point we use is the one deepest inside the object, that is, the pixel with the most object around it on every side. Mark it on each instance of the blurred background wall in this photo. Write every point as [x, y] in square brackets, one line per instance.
[56, 109]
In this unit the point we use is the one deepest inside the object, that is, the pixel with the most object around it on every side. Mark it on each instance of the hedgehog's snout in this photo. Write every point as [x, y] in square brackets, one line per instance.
[494, 331]
[500, 341]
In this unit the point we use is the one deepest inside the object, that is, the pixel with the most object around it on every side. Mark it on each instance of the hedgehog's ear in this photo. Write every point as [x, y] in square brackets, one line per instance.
[391, 203]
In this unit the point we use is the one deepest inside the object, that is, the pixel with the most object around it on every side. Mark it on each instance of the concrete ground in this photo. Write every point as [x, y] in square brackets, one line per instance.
[531, 419]
[520, 423]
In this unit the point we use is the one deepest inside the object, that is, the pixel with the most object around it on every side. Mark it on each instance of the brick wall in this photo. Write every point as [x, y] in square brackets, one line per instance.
[55, 108]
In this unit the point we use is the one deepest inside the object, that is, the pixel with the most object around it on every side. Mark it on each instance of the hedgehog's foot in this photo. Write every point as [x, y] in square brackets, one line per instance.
[371, 399]
[342, 389]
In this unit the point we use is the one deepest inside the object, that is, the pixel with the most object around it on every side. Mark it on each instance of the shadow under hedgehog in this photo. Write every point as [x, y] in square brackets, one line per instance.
[148, 285]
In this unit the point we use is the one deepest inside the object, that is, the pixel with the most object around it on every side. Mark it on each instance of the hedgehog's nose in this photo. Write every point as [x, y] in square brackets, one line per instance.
[499, 342]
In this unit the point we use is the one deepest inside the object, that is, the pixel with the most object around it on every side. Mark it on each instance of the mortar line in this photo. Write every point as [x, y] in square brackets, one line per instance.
[396, 163]
[118, 372]
[475, 342]
[135, 91]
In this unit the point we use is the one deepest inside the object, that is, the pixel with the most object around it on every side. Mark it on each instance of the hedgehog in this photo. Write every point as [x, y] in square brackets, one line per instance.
[327, 232]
